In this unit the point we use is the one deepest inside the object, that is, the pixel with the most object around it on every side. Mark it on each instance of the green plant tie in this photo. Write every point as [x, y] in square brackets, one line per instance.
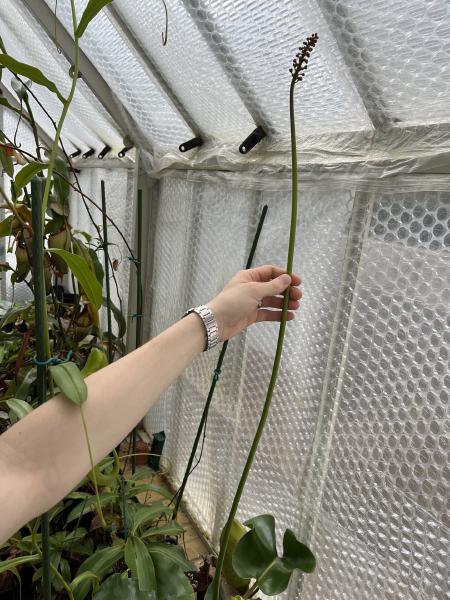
[136, 316]
[216, 375]
[53, 361]
[136, 261]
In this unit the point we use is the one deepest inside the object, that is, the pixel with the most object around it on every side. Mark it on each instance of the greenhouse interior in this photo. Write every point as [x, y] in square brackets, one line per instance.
[153, 154]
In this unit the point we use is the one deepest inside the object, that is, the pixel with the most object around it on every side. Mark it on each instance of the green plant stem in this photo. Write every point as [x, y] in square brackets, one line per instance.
[34, 128]
[94, 476]
[252, 591]
[107, 282]
[214, 381]
[277, 359]
[42, 349]
[55, 145]
[138, 315]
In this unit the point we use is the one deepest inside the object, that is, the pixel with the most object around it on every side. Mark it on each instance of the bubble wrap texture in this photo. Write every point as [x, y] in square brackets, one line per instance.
[196, 77]
[120, 68]
[399, 55]
[87, 124]
[379, 517]
[354, 457]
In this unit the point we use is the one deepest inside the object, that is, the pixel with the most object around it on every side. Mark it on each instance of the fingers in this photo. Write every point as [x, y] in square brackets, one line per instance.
[277, 302]
[269, 272]
[272, 315]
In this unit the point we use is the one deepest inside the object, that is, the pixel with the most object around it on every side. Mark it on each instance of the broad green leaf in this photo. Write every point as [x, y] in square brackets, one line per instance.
[120, 319]
[118, 588]
[140, 564]
[171, 582]
[13, 563]
[26, 174]
[172, 554]
[107, 478]
[80, 581]
[133, 489]
[297, 555]
[20, 408]
[146, 513]
[256, 556]
[96, 360]
[100, 564]
[98, 267]
[238, 583]
[81, 271]
[5, 226]
[29, 72]
[89, 505]
[68, 378]
[90, 12]
[172, 528]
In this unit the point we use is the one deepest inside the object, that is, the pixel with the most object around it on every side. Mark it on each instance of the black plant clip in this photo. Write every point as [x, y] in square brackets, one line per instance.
[250, 142]
[88, 153]
[124, 150]
[104, 152]
[190, 144]
[75, 154]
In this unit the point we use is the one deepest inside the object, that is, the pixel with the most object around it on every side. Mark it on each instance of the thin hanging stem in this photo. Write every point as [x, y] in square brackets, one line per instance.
[300, 65]
[107, 282]
[203, 420]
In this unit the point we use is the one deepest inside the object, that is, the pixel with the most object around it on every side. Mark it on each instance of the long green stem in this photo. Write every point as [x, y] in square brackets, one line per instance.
[42, 349]
[276, 363]
[214, 381]
[55, 145]
[107, 282]
[94, 476]
[138, 315]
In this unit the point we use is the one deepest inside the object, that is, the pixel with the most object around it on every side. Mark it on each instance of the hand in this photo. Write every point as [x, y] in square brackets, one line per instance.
[248, 296]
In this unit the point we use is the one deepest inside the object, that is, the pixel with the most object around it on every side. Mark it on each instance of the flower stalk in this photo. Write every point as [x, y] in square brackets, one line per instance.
[298, 70]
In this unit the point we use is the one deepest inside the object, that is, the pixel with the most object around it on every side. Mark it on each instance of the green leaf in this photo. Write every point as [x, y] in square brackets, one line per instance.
[140, 564]
[171, 582]
[6, 104]
[90, 12]
[13, 563]
[26, 174]
[5, 226]
[98, 267]
[80, 582]
[256, 556]
[120, 319]
[81, 271]
[23, 391]
[19, 408]
[172, 528]
[89, 506]
[29, 72]
[100, 564]
[133, 489]
[96, 360]
[145, 513]
[68, 378]
[238, 583]
[118, 588]
[172, 554]
[297, 555]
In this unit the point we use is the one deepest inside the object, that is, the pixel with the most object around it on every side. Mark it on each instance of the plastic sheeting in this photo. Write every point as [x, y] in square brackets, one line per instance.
[354, 454]
[225, 69]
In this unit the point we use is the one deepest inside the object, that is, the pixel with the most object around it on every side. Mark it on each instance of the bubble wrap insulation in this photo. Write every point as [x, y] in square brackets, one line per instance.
[355, 450]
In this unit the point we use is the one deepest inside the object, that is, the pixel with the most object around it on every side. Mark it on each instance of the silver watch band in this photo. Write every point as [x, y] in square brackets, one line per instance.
[210, 323]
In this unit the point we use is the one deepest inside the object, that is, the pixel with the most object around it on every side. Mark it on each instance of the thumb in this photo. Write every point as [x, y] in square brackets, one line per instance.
[274, 287]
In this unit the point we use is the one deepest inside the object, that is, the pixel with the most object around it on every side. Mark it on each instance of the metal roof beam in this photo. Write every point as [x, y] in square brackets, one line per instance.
[93, 79]
[152, 69]
[365, 83]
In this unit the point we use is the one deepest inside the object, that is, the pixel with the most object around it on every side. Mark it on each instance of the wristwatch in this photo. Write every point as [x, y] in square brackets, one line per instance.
[210, 323]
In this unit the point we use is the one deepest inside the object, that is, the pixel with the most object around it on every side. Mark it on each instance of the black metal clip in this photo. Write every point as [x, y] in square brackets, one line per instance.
[254, 138]
[190, 144]
[104, 152]
[75, 154]
[88, 153]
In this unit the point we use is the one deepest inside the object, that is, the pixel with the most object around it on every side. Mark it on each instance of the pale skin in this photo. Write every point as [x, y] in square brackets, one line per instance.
[44, 456]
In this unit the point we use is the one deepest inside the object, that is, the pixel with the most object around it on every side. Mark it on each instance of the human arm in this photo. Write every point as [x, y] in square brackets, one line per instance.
[45, 455]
